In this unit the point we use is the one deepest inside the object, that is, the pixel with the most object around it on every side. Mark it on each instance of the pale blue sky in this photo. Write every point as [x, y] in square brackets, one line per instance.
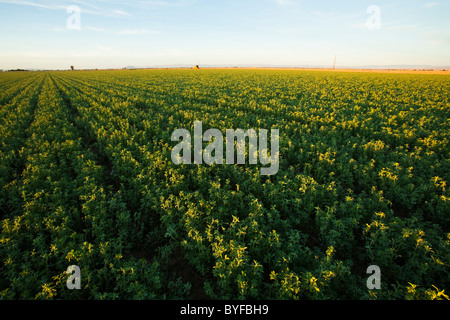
[115, 34]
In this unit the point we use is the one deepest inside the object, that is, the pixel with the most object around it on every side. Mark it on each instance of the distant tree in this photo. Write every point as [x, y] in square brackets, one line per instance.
[72, 67]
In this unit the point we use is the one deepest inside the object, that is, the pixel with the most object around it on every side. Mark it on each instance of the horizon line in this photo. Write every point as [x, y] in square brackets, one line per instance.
[246, 66]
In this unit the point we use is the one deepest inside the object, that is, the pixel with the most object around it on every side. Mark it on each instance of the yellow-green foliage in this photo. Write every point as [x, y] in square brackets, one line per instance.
[86, 178]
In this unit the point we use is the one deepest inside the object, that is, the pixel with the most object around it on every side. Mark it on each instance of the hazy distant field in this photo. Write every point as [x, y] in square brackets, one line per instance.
[87, 179]
[444, 71]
